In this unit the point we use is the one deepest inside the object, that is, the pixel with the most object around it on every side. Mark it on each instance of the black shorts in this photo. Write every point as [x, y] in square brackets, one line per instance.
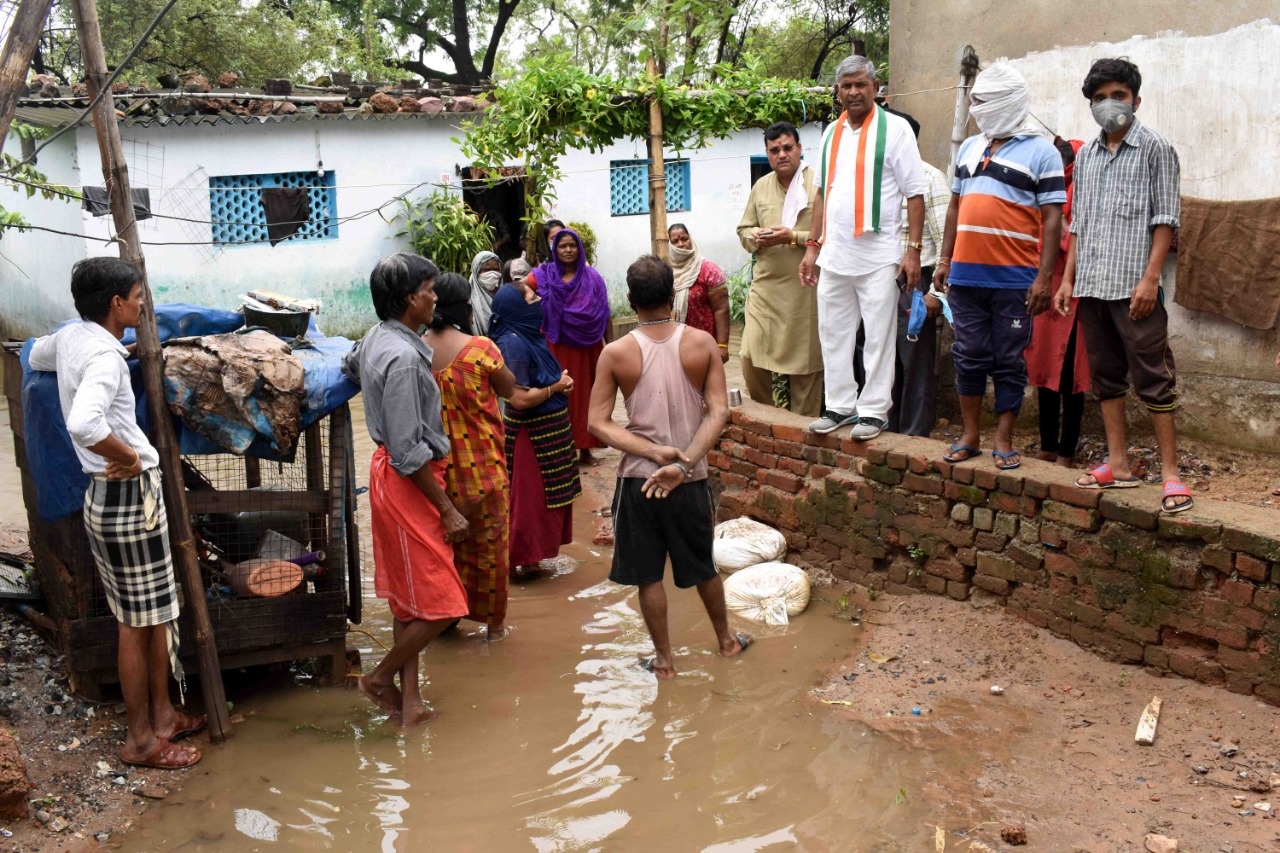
[647, 530]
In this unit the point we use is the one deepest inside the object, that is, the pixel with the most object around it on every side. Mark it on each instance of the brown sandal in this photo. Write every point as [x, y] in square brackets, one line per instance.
[166, 756]
[185, 725]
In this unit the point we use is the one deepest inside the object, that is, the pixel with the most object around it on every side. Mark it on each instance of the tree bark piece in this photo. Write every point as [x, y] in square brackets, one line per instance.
[15, 58]
[116, 172]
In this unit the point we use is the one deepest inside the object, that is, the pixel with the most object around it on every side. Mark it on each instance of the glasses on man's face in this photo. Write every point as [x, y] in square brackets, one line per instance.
[781, 149]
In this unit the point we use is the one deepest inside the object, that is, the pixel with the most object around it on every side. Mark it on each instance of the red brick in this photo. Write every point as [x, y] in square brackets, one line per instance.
[1068, 494]
[918, 464]
[1269, 693]
[793, 449]
[1009, 484]
[1072, 516]
[996, 565]
[962, 474]
[1236, 592]
[761, 459]
[1176, 527]
[959, 591]
[1267, 599]
[1251, 567]
[750, 424]
[1232, 637]
[716, 459]
[819, 472]
[1117, 509]
[877, 455]
[1239, 682]
[1240, 660]
[732, 433]
[1025, 555]
[920, 483]
[967, 557]
[1051, 536]
[1118, 625]
[830, 440]
[942, 467]
[1156, 656]
[1211, 672]
[733, 481]
[997, 586]
[1035, 489]
[984, 478]
[787, 432]
[1217, 557]
[1182, 576]
[794, 466]
[949, 569]
[969, 494]
[880, 473]
[990, 541]
[1184, 663]
[933, 583]
[854, 448]
[1226, 613]
[896, 460]
[744, 469]
[1019, 504]
[784, 481]
[1060, 564]
[1260, 546]
[1061, 585]
[959, 537]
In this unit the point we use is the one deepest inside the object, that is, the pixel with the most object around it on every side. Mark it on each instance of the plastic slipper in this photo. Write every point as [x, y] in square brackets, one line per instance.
[166, 756]
[1105, 478]
[969, 451]
[744, 640]
[1175, 489]
[1002, 459]
[188, 725]
[646, 664]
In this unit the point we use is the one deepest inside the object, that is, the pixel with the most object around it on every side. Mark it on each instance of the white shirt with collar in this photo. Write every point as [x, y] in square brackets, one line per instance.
[94, 391]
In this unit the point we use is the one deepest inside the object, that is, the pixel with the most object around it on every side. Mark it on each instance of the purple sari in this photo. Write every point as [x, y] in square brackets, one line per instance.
[575, 312]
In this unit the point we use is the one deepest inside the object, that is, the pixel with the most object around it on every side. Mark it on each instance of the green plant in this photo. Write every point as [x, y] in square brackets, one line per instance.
[619, 306]
[739, 284]
[588, 235]
[442, 228]
[917, 553]
[23, 176]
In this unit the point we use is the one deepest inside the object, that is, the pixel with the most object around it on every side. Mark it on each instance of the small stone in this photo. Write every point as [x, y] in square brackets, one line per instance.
[1160, 843]
[119, 780]
[43, 816]
[1201, 769]
[1230, 750]
[1265, 808]
[151, 792]
[1013, 835]
[58, 824]
[102, 837]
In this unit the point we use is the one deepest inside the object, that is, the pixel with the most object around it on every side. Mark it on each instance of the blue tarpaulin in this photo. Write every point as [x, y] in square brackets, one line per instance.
[60, 484]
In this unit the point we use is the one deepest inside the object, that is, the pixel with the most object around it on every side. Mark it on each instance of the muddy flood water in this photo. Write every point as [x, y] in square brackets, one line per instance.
[555, 740]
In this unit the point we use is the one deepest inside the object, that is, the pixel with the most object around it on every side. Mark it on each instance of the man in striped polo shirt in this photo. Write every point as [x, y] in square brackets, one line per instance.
[1127, 205]
[1004, 224]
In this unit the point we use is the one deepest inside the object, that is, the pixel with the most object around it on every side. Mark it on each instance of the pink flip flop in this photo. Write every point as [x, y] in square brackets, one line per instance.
[1175, 489]
[1105, 478]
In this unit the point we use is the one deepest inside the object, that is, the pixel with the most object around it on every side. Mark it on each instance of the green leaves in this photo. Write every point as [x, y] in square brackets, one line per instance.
[443, 229]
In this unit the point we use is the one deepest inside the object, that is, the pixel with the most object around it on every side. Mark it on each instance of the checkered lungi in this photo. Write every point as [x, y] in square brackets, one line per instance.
[129, 537]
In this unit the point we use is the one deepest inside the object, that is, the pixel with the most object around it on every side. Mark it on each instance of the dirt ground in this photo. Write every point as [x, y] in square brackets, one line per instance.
[1054, 753]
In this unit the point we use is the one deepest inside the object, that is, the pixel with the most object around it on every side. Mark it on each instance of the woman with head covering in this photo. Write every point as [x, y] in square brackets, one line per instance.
[471, 374]
[702, 300]
[486, 276]
[539, 441]
[575, 320]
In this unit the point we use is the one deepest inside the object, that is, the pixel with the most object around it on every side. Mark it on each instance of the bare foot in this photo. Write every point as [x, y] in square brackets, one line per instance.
[496, 633]
[1048, 456]
[738, 644]
[1067, 461]
[1276, 491]
[385, 696]
[416, 715]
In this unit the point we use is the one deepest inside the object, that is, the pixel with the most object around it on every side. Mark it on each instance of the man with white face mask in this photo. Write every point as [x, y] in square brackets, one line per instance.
[1004, 224]
[1127, 205]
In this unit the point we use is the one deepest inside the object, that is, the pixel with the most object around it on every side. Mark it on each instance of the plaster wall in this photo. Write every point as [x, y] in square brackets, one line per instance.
[1205, 88]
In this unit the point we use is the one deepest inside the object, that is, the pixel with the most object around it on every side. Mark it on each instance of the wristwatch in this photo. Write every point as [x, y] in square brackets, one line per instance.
[919, 247]
[793, 239]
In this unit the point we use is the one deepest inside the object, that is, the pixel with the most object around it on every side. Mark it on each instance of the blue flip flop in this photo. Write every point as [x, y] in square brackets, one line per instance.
[1007, 456]
[969, 450]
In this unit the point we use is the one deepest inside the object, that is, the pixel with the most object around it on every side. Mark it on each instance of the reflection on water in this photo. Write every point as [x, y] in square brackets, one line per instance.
[555, 740]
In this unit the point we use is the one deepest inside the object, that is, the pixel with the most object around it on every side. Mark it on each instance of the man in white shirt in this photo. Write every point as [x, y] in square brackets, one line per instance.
[870, 163]
[124, 513]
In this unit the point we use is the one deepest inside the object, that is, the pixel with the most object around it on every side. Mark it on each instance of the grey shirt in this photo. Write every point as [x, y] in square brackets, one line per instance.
[392, 365]
[1119, 199]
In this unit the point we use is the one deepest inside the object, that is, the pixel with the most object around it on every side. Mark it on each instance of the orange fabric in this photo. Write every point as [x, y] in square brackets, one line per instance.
[860, 165]
[413, 564]
[476, 478]
[581, 364]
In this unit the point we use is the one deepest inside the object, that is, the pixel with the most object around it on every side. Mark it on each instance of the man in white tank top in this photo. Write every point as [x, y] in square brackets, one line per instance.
[672, 381]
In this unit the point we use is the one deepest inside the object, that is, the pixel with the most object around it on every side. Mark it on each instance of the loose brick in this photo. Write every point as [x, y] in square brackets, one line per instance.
[1009, 484]
[935, 584]
[732, 433]
[784, 481]
[1267, 600]
[958, 537]
[967, 557]
[997, 586]
[716, 459]
[796, 466]
[853, 447]
[761, 459]
[1184, 529]
[1212, 673]
[962, 513]
[922, 484]
[1239, 682]
[1075, 496]
[962, 474]
[787, 432]
[1072, 516]
[1052, 537]
[918, 464]
[831, 441]
[959, 591]
[877, 455]
[1236, 592]
[897, 460]
[942, 467]
[983, 519]
[1028, 556]
[1029, 531]
[996, 565]
[1262, 547]
[1252, 568]
[1117, 510]
[990, 541]
[949, 569]
[1156, 656]
[1217, 557]
[1005, 525]
[1184, 663]
[732, 481]
[1060, 564]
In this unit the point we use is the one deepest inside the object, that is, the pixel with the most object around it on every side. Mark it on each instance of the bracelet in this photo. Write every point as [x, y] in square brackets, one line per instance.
[684, 469]
[812, 244]
[723, 346]
[550, 393]
[942, 261]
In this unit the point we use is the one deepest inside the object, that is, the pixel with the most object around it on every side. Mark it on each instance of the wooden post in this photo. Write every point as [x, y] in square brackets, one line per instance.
[116, 173]
[960, 126]
[15, 58]
[657, 174]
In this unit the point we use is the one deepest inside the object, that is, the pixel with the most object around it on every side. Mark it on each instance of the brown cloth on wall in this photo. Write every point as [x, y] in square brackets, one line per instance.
[287, 210]
[1227, 260]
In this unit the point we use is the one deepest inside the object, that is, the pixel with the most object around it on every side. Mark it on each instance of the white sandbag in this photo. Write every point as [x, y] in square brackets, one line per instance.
[768, 593]
[743, 542]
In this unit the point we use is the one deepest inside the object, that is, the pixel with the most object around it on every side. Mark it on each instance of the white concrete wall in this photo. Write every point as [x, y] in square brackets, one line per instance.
[720, 180]
[373, 162]
[35, 266]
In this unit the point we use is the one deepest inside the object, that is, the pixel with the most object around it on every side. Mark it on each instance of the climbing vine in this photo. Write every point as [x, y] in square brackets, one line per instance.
[556, 106]
[23, 176]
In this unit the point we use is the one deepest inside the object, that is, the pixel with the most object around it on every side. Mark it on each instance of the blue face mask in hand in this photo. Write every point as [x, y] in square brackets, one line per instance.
[918, 315]
[1113, 116]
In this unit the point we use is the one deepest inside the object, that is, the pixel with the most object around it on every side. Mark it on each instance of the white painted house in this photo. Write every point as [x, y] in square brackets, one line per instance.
[202, 171]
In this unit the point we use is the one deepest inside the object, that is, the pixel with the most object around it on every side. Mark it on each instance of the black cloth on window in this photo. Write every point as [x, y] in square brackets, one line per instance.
[287, 209]
[98, 203]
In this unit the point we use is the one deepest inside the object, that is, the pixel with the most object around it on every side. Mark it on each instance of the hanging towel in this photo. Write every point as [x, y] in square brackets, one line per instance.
[98, 203]
[287, 209]
[1226, 260]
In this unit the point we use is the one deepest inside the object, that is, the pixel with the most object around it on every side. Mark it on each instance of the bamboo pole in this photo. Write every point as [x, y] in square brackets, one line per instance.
[116, 173]
[960, 126]
[657, 174]
[15, 58]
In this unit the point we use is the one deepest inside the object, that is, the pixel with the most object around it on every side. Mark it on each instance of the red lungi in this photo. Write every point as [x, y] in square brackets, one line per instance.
[581, 364]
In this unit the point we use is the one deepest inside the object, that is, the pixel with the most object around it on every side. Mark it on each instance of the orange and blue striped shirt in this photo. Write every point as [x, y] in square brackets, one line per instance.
[998, 231]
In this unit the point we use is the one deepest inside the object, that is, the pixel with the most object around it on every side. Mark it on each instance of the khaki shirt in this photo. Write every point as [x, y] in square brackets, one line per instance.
[781, 333]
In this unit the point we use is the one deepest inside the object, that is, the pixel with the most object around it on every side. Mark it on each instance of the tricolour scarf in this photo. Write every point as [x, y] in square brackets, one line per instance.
[868, 170]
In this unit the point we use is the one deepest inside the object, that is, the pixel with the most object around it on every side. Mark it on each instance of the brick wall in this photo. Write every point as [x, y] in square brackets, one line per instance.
[1196, 594]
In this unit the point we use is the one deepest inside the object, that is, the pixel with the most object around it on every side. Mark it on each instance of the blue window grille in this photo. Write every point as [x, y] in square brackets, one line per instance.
[629, 186]
[237, 214]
